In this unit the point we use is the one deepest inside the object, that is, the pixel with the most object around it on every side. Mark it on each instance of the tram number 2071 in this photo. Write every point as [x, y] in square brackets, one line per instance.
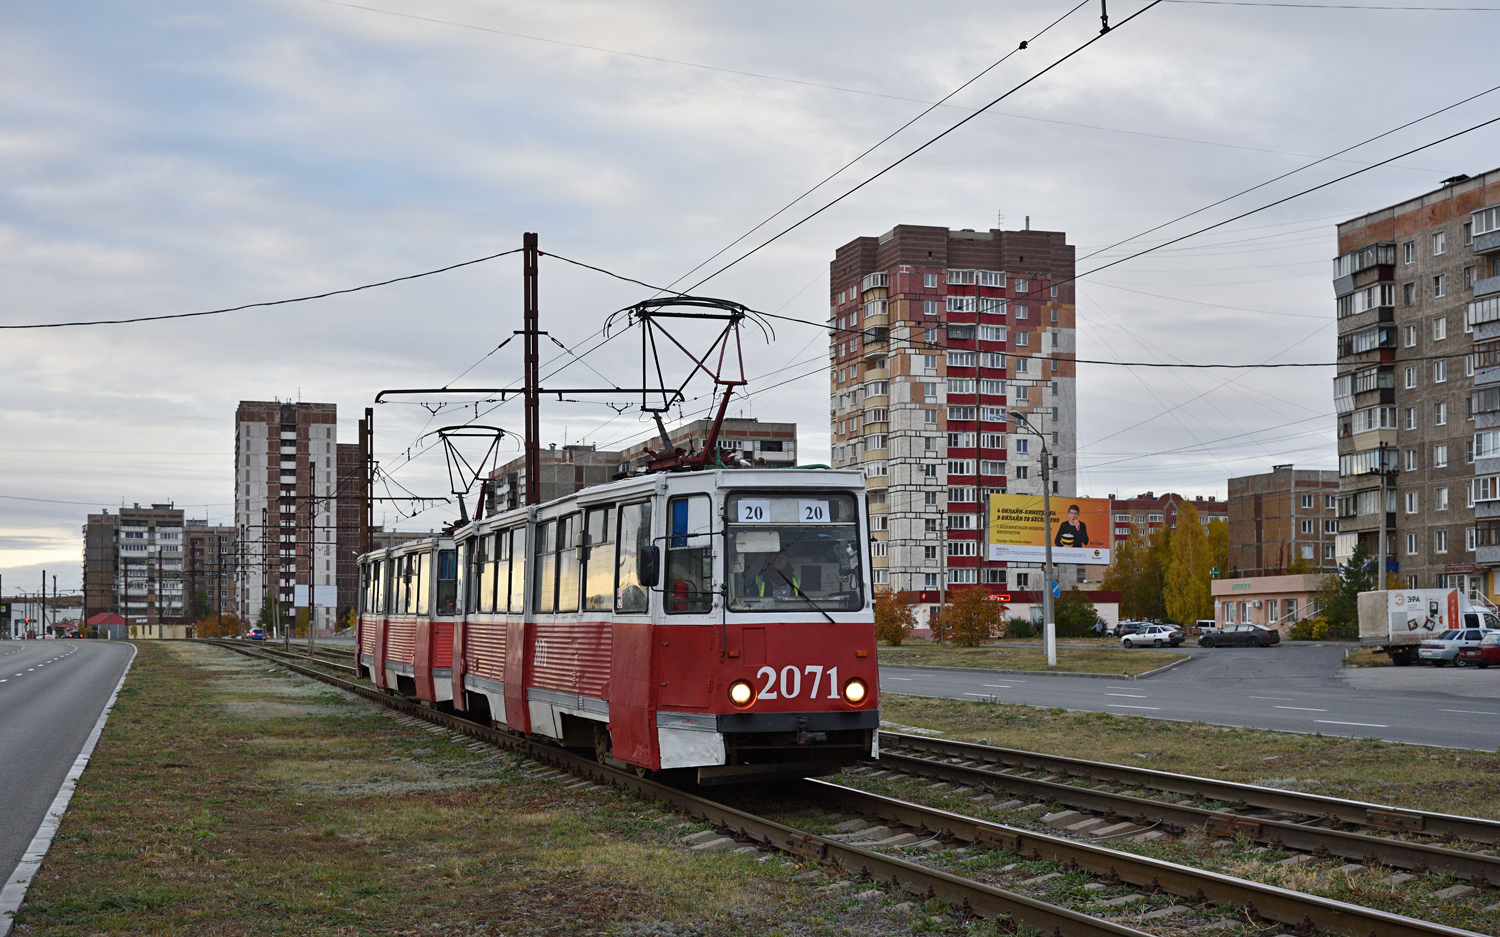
[789, 682]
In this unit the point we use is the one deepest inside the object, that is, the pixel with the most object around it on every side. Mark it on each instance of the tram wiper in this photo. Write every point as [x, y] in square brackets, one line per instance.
[803, 596]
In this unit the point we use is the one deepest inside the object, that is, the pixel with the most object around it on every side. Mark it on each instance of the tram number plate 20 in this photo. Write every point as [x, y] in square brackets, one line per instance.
[758, 511]
[788, 682]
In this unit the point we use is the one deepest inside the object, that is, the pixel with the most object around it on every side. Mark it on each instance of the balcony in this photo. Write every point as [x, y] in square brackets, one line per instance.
[874, 281]
[1487, 286]
[1375, 338]
[1487, 243]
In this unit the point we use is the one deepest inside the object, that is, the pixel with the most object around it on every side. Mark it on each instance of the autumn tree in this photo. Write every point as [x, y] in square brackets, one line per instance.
[1218, 544]
[1188, 594]
[219, 626]
[1135, 571]
[894, 619]
[973, 618]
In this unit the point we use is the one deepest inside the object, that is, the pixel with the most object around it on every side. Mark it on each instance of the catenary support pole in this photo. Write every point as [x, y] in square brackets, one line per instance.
[532, 381]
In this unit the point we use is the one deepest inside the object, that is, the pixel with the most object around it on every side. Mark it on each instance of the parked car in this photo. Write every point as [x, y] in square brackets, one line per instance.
[1444, 648]
[1129, 627]
[1153, 635]
[257, 634]
[1240, 636]
[1205, 624]
[1488, 651]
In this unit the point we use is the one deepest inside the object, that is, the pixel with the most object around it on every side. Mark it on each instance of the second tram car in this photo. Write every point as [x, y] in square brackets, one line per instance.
[715, 620]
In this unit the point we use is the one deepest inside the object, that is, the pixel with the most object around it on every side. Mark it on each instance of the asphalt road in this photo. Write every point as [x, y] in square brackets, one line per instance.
[1288, 688]
[51, 694]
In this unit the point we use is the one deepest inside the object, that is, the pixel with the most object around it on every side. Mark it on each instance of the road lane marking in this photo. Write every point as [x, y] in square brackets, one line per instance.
[1469, 712]
[905, 679]
[1367, 725]
[979, 694]
[1128, 706]
[1131, 695]
[1305, 709]
[998, 686]
[1284, 699]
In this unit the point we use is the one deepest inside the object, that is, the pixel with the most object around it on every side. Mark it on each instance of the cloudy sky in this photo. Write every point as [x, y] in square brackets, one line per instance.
[166, 157]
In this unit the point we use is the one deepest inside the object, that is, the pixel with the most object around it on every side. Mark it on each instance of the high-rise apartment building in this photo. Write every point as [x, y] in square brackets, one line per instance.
[1282, 522]
[1418, 306]
[290, 475]
[133, 565]
[935, 335]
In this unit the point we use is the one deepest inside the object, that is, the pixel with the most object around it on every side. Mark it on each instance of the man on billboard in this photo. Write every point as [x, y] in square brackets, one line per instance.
[1072, 532]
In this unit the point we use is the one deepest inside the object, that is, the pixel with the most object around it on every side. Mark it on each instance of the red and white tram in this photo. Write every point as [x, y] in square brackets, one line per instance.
[714, 620]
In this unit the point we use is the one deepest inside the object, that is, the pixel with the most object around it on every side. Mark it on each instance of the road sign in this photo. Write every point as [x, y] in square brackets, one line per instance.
[1056, 590]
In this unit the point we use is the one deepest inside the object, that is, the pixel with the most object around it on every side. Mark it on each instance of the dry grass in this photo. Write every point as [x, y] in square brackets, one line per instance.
[1072, 657]
[1360, 657]
[228, 797]
[1363, 769]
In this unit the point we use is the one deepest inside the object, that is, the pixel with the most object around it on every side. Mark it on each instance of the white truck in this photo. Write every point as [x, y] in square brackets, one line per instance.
[1396, 622]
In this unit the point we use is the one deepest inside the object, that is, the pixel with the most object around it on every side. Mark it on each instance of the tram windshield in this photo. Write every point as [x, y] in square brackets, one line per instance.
[794, 552]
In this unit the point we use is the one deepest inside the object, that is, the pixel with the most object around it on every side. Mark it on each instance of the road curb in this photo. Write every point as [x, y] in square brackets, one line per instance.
[928, 668]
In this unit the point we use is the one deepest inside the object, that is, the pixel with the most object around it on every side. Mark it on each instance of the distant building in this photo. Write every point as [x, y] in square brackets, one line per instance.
[290, 477]
[1283, 519]
[212, 565]
[1269, 601]
[133, 565]
[572, 468]
[1152, 512]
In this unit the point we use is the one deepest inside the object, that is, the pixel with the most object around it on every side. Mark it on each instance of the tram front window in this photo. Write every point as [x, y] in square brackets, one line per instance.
[796, 552]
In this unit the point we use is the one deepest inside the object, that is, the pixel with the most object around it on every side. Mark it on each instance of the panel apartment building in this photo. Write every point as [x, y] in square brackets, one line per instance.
[133, 565]
[295, 544]
[935, 335]
[1283, 520]
[1418, 385]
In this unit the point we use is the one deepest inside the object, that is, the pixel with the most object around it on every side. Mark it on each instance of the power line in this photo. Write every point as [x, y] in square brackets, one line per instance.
[1334, 6]
[881, 142]
[912, 153]
[273, 302]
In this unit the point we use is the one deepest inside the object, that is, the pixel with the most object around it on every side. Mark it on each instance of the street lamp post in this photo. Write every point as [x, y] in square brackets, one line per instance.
[1047, 620]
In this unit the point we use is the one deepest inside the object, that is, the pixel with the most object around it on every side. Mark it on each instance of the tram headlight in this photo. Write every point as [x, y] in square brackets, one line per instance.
[741, 693]
[855, 690]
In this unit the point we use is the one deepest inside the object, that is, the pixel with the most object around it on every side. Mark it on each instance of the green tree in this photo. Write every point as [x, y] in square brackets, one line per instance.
[1218, 543]
[1135, 571]
[894, 618]
[1075, 615]
[972, 618]
[1189, 570]
[1338, 599]
[202, 607]
[267, 617]
[304, 618]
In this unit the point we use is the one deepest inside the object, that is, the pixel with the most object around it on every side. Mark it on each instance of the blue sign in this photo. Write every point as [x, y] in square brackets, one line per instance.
[1056, 590]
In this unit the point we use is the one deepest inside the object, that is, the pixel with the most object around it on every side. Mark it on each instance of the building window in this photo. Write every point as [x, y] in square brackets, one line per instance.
[1330, 527]
[1411, 377]
[1412, 502]
[929, 580]
[1439, 371]
[1409, 296]
[880, 577]
[960, 466]
[1307, 551]
[961, 495]
[1411, 417]
[1307, 502]
[991, 467]
[1409, 252]
[1469, 539]
[1440, 414]
[929, 280]
[1439, 242]
[1023, 581]
[1440, 541]
[1469, 276]
[929, 498]
[1440, 285]
[1023, 340]
[1307, 526]
[1439, 328]
[929, 417]
[963, 548]
[1411, 460]
[1411, 544]
[1440, 455]
[929, 552]
[1330, 502]
[1440, 499]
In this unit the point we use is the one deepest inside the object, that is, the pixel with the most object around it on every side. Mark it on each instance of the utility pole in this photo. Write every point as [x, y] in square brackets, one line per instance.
[367, 467]
[1048, 622]
[1380, 561]
[531, 335]
[312, 552]
[42, 615]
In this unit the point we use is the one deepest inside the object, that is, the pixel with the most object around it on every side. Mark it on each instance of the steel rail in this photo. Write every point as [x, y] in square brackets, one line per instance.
[973, 897]
[1243, 796]
[1477, 868]
[280, 654]
[1304, 911]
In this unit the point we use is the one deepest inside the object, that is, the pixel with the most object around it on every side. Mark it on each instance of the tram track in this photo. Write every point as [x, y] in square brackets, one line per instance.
[1002, 770]
[1305, 914]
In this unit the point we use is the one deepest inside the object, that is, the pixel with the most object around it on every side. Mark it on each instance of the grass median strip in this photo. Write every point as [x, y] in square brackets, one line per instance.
[227, 796]
[1092, 658]
[1364, 769]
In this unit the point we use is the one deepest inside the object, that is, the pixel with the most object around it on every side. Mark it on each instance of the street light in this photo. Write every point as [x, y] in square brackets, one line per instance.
[1048, 623]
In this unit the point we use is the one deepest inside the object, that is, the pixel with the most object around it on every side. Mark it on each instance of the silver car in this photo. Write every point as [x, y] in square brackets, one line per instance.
[1444, 648]
[1153, 636]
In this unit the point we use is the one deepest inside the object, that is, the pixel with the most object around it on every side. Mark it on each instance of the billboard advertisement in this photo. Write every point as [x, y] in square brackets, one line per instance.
[1079, 530]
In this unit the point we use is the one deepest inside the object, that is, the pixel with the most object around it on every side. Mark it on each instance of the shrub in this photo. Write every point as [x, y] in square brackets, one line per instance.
[972, 618]
[894, 618]
[1018, 627]
[1304, 630]
[1075, 615]
[1324, 630]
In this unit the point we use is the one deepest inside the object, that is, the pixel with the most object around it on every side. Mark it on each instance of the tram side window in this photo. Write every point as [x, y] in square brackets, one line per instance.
[382, 581]
[400, 584]
[364, 588]
[634, 533]
[689, 555]
[447, 582]
[546, 570]
[475, 555]
[517, 555]
[567, 563]
[488, 572]
[598, 559]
